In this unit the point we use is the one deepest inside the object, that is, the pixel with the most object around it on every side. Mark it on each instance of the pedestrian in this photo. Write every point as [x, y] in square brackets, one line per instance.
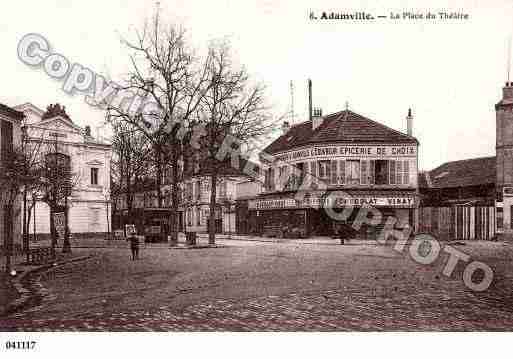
[134, 246]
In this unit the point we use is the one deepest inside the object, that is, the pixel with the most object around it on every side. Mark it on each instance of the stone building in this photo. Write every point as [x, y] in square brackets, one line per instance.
[504, 161]
[342, 160]
[10, 137]
[89, 203]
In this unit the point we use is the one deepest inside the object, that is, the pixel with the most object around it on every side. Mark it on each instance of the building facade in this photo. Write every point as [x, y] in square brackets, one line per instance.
[10, 137]
[504, 154]
[89, 203]
[342, 161]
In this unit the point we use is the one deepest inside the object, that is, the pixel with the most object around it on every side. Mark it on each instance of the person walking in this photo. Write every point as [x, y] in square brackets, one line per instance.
[134, 246]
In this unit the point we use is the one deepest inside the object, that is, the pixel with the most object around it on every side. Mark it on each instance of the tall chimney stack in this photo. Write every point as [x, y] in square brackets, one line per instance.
[409, 123]
[309, 99]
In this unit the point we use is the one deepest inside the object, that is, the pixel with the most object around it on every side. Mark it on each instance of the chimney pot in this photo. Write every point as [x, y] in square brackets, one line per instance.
[409, 123]
[88, 131]
[285, 127]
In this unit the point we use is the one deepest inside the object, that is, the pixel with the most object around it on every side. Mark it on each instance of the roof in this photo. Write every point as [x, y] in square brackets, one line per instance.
[10, 112]
[463, 173]
[227, 169]
[340, 127]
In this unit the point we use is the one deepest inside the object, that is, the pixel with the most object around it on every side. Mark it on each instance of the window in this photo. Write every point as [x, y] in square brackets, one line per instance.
[406, 172]
[353, 172]
[284, 177]
[189, 216]
[381, 172]
[500, 218]
[198, 216]
[324, 170]
[222, 189]
[342, 172]
[198, 190]
[94, 176]
[399, 172]
[269, 179]
[300, 168]
[364, 168]
[188, 191]
[333, 179]
[6, 139]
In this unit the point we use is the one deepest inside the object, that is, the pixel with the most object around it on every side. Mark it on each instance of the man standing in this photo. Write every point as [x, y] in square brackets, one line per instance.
[134, 246]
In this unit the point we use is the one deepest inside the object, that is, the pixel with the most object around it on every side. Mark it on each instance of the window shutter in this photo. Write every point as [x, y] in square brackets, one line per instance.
[406, 168]
[399, 172]
[392, 171]
[363, 166]
[342, 172]
[372, 176]
[313, 166]
[333, 172]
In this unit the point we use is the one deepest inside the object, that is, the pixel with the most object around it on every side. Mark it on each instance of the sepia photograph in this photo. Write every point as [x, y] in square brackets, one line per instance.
[202, 169]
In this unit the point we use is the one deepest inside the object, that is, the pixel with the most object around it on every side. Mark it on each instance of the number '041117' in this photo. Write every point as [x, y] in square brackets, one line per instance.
[20, 344]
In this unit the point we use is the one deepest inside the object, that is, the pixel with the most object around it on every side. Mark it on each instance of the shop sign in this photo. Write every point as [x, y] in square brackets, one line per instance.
[343, 151]
[333, 201]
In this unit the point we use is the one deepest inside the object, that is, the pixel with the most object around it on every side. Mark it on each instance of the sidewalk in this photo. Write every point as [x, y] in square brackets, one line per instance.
[13, 291]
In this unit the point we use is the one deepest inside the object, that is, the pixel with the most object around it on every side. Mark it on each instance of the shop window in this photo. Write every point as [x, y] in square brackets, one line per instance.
[353, 172]
[500, 220]
[381, 172]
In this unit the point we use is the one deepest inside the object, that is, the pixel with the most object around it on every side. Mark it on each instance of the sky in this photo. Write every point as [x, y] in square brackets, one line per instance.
[449, 72]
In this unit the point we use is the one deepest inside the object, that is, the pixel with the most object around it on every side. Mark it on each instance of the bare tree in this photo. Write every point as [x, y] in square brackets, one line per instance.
[232, 105]
[58, 182]
[167, 73]
[20, 173]
[130, 162]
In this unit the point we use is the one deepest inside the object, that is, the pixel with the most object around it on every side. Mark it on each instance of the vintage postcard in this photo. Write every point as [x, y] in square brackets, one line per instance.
[254, 166]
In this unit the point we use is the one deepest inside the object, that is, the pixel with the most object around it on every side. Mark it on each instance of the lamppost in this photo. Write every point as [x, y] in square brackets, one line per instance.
[106, 195]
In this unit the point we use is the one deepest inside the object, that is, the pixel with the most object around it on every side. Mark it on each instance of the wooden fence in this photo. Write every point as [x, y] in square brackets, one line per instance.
[458, 222]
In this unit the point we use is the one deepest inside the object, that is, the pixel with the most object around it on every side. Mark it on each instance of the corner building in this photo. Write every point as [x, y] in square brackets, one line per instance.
[344, 161]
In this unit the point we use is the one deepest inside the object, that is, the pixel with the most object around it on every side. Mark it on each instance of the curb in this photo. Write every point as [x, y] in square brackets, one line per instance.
[24, 293]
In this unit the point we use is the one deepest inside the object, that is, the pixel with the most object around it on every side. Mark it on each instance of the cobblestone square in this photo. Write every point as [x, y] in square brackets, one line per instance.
[264, 286]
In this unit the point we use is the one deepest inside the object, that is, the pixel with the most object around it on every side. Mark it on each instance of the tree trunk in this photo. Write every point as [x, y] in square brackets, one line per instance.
[8, 229]
[174, 201]
[26, 221]
[212, 215]
[66, 246]
[29, 218]
[53, 234]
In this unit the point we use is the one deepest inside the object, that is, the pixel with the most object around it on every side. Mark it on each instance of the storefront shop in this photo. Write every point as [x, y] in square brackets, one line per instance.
[326, 215]
[341, 162]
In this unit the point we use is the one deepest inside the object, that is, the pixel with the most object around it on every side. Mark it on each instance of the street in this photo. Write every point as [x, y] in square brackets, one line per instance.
[257, 286]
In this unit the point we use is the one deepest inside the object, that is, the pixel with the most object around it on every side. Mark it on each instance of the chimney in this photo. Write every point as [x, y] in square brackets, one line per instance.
[507, 91]
[316, 118]
[309, 100]
[409, 123]
[88, 131]
[285, 127]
